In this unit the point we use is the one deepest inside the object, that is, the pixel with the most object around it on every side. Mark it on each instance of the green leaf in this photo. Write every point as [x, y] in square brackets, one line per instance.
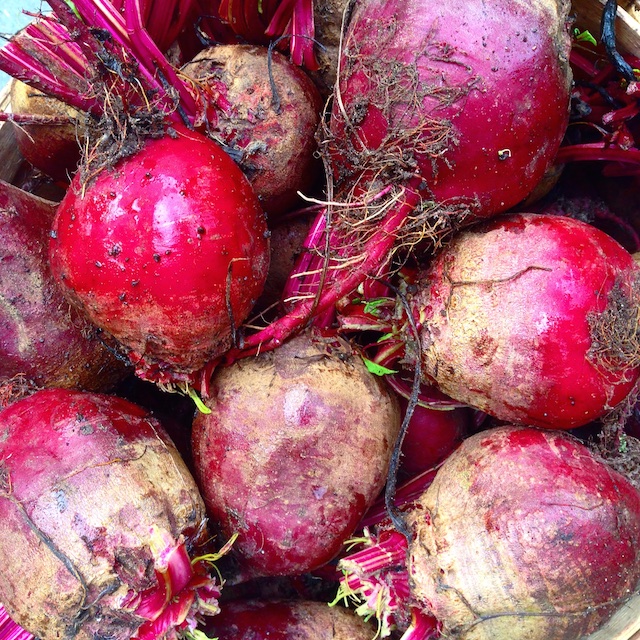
[202, 407]
[372, 306]
[584, 36]
[377, 369]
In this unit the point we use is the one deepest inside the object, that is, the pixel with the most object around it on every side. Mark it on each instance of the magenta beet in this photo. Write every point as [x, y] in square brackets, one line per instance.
[287, 620]
[532, 319]
[476, 102]
[431, 436]
[101, 523]
[44, 342]
[294, 451]
[524, 534]
[167, 251]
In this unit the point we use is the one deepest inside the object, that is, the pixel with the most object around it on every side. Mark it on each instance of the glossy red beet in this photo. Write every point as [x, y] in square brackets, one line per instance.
[532, 319]
[167, 251]
[474, 102]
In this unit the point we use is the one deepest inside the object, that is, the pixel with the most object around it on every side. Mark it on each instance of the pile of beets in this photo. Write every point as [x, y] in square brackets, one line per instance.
[319, 320]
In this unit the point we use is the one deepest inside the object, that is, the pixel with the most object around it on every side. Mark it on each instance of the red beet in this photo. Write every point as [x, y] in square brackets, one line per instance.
[524, 533]
[532, 319]
[100, 521]
[266, 111]
[431, 436]
[167, 251]
[287, 620]
[294, 451]
[473, 101]
[42, 339]
[53, 149]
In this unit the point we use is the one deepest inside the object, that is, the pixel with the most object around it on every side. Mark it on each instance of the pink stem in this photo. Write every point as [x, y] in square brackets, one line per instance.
[593, 151]
[10, 630]
[375, 253]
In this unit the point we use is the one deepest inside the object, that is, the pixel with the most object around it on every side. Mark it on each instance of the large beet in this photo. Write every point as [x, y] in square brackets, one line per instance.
[524, 534]
[98, 519]
[551, 556]
[167, 251]
[474, 101]
[532, 319]
[295, 449]
[42, 339]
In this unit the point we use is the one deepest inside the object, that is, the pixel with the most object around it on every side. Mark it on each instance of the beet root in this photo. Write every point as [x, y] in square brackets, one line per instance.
[524, 534]
[99, 520]
[532, 319]
[295, 449]
[453, 98]
[167, 251]
[287, 620]
[551, 553]
[43, 340]
[267, 111]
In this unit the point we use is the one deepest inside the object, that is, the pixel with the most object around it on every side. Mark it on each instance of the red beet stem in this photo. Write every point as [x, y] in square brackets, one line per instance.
[10, 630]
[375, 253]
[593, 151]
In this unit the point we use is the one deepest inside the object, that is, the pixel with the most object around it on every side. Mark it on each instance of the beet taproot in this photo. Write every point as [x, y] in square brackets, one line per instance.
[100, 522]
[295, 449]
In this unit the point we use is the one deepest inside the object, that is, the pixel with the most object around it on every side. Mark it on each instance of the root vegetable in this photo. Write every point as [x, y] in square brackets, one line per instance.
[167, 252]
[294, 451]
[43, 339]
[266, 112]
[53, 149]
[100, 522]
[287, 620]
[532, 319]
[453, 99]
[524, 533]
[432, 434]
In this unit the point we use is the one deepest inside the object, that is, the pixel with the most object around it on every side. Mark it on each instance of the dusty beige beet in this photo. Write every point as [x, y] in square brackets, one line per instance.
[295, 449]
[53, 149]
[270, 135]
[100, 521]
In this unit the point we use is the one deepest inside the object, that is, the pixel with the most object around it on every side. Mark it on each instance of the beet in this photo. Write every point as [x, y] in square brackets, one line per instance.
[167, 251]
[474, 103]
[99, 521]
[549, 554]
[524, 533]
[42, 339]
[432, 434]
[294, 451]
[287, 620]
[266, 112]
[53, 149]
[532, 319]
